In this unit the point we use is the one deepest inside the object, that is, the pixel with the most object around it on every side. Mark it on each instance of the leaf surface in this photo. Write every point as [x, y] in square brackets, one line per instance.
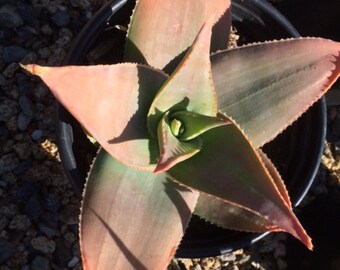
[174, 33]
[131, 219]
[190, 86]
[267, 86]
[229, 168]
[111, 102]
[172, 150]
[233, 216]
[195, 124]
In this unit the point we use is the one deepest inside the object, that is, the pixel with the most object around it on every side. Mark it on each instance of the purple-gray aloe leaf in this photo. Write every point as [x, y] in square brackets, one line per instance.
[236, 217]
[151, 19]
[111, 102]
[131, 219]
[229, 168]
[190, 86]
[265, 87]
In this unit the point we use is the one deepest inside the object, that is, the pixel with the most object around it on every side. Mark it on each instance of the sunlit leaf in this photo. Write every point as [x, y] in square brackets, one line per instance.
[151, 19]
[190, 86]
[228, 167]
[131, 219]
[267, 86]
[111, 102]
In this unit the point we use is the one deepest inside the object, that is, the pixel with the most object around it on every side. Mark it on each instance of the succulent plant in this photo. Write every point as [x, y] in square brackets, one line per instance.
[181, 124]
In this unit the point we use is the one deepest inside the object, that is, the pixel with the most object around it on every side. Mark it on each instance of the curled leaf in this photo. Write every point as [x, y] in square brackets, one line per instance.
[173, 150]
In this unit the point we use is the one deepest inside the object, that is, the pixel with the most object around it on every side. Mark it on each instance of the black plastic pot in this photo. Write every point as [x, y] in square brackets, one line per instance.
[296, 152]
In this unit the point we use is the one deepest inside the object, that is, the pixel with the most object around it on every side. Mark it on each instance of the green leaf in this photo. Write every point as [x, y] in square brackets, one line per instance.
[174, 33]
[171, 149]
[111, 102]
[190, 86]
[131, 219]
[229, 168]
[194, 124]
[267, 86]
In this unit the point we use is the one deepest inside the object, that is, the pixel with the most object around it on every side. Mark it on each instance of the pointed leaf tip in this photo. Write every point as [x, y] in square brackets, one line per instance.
[105, 92]
[35, 69]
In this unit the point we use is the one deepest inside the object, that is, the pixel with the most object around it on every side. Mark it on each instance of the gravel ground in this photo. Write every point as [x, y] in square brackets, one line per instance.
[38, 209]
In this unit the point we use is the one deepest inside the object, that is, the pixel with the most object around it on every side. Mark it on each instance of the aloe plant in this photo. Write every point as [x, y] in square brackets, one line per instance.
[181, 124]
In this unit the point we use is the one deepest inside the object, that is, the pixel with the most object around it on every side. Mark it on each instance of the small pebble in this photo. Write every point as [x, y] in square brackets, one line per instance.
[13, 53]
[8, 162]
[40, 263]
[19, 222]
[8, 109]
[10, 70]
[43, 244]
[7, 250]
[10, 17]
[73, 262]
[61, 18]
[37, 134]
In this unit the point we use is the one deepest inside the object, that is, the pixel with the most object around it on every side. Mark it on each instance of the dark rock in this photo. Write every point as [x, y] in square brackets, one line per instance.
[33, 207]
[44, 17]
[6, 36]
[61, 18]
[23, 166]
[13, 53]
[3, 131]
[62, 254]
[26, 36]
[3, 222]
[26, 105]
[40, 263]
[7, 250]
[8, 109]
[27, 13]
[10, 17]
[49, 224]
[3, 80]
[8, 162]
[27, 189]
[36, 134]
[23, 121]
[70, 214]
[10, 70]
[76, 249]
[51, 203]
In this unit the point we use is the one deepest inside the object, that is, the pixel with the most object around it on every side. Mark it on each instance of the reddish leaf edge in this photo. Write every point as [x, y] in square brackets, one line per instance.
[82, 256]
[331, 79]
[306, 240]
[37, 70]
